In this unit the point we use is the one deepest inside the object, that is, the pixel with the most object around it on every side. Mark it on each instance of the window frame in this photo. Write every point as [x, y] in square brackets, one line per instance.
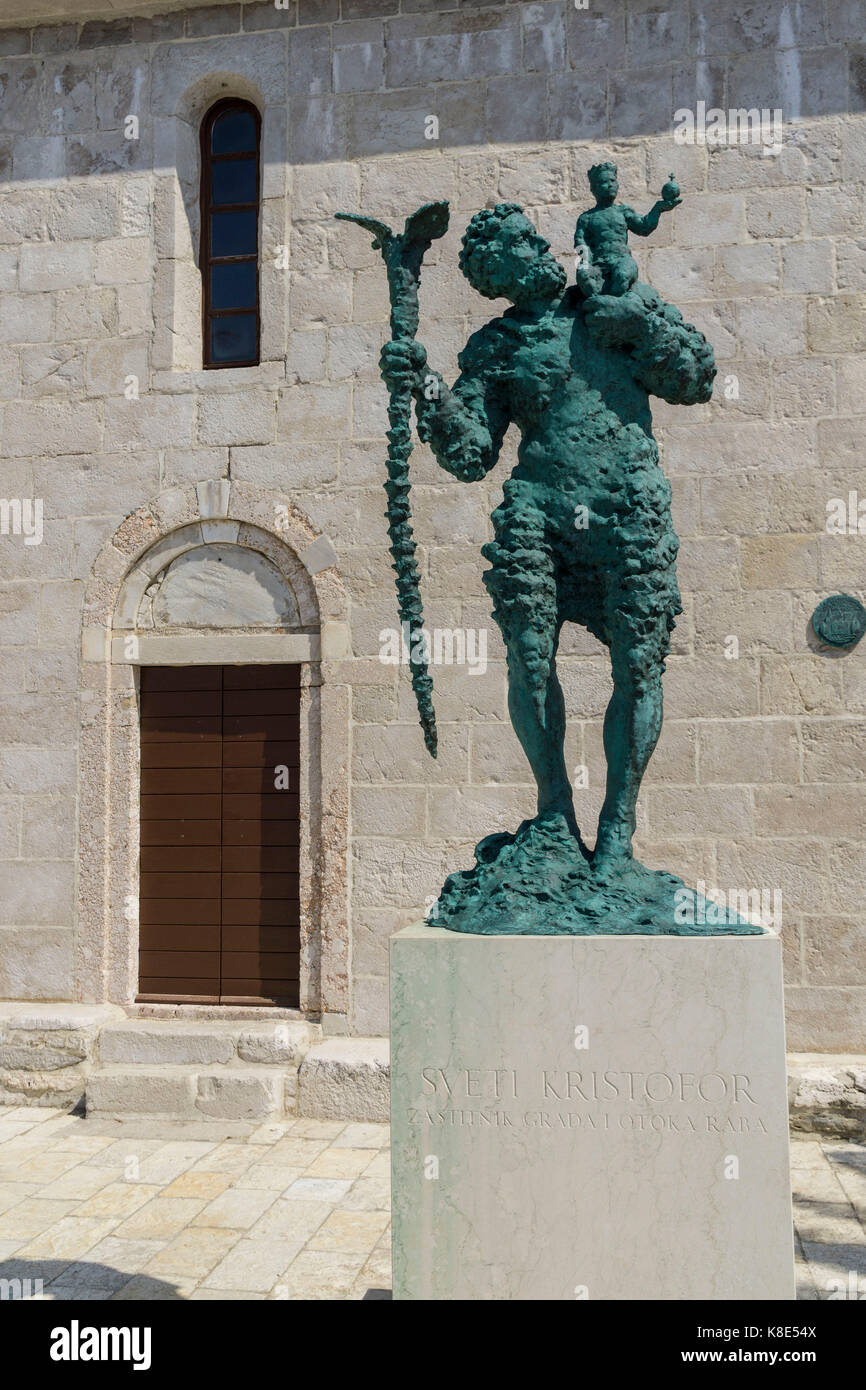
[206, 208]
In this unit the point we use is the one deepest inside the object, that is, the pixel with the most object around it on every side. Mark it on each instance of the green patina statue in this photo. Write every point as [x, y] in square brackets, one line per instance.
[604, 263]
[583, 535]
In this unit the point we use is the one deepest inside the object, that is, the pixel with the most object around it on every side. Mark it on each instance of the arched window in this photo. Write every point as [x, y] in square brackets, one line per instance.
[230, 184]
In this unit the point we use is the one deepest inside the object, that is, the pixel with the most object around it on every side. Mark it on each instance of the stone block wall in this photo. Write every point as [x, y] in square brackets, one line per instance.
[759, 782]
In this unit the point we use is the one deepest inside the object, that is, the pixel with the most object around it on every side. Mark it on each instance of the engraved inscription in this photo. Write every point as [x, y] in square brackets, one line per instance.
[598, 1101]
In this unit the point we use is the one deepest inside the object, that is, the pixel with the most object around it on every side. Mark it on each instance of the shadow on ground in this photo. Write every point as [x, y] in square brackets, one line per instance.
[76, 1280]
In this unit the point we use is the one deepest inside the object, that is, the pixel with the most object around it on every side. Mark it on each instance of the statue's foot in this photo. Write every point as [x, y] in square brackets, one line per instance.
[555, 821]
[616, 867]
[563, 811]
[608, 865]
[613, 859]
[612, 851]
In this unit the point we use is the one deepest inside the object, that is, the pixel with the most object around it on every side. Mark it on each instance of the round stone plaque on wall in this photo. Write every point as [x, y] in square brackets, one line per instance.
[839, 620]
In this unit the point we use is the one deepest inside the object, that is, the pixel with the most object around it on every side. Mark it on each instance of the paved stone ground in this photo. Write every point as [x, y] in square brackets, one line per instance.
[293, 1210]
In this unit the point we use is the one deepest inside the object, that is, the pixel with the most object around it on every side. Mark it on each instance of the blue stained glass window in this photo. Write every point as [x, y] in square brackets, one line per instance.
[234, 131]
[234, 181]
[233, 285]
[230, 183]
[233, 338]
[234, 233]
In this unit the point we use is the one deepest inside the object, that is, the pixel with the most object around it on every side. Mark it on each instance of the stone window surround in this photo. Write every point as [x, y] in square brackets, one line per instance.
[177, 340]
[106, 945]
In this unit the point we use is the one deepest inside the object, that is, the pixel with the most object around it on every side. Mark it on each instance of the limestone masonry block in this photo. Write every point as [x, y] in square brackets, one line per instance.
[240, 1097]
[145, 1094]
[345, 1076]
[827, 1097]
[158, 1044]
[213, 497]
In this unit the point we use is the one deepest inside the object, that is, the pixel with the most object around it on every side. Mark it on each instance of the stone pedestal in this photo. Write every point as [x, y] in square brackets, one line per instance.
[589, 1117]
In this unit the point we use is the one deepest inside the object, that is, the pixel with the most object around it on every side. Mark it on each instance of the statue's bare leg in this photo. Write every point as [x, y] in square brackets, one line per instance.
[522, 583]
[542, 742]
[622, 275]
[632, 724]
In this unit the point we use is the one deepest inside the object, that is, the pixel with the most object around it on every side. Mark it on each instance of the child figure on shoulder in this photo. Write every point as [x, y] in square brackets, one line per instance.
[604, 264]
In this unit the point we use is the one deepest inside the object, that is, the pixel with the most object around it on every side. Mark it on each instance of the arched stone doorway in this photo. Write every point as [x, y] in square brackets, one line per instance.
[220, 574]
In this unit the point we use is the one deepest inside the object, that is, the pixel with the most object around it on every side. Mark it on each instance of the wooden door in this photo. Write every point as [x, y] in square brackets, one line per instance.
[219, 902]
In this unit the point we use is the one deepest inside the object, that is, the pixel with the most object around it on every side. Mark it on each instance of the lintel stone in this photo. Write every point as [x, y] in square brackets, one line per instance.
[215, 648]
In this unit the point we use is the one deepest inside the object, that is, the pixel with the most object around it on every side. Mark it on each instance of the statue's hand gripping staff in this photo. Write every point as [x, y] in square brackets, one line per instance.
[403, 254]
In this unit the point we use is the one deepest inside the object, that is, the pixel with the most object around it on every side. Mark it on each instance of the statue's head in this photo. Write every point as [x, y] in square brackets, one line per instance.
[603, 182]
[503, 256]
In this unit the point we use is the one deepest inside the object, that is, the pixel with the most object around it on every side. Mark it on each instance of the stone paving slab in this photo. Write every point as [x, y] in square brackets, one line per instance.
[297, 1210]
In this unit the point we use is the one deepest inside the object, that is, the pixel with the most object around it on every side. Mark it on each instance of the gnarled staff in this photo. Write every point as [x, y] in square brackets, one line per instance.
[403, 254]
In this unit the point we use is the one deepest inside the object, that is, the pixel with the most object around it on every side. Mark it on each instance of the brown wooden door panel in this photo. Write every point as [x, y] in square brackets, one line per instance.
[219, 908]
[268, 912]
[181, 832]
[276, 806]
[254, 990]
[254, 832]
[263, 940]
[181, 858]
[197, 912]
[193, 754]
[184, 704]
[202, 965]
[261, 677]
[257, 702]
[180, 885]
[195, 938]
[181, 807]
[178, 991]
[261, 726]
[261, 752]
[186, 678]
[181, 781]
[260, 781]
[260, 965]
[260, 886]
[269, 859]
[169, 728]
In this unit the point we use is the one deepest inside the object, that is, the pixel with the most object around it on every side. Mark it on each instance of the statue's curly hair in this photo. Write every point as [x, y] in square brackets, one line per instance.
[606, 167]
[479, 239]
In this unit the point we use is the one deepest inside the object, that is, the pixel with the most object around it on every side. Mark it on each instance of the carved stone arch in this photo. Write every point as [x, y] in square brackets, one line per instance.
[242, 520]
[138, 602]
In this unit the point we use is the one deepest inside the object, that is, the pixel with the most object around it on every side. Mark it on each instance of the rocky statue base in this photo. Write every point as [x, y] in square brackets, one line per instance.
[589, 1117]
[538, 882]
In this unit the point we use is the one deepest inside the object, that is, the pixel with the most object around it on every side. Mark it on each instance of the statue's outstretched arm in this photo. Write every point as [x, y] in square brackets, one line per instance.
[464, 424]
[669, 357]
[643, 226]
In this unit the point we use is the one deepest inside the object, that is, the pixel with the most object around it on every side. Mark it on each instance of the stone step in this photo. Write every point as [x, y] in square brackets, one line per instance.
[192, 1092]
[148, 1042]
[47, 1051]
[827, 1095]
[346, 1078]
[236, 1071]
[201, 1069]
